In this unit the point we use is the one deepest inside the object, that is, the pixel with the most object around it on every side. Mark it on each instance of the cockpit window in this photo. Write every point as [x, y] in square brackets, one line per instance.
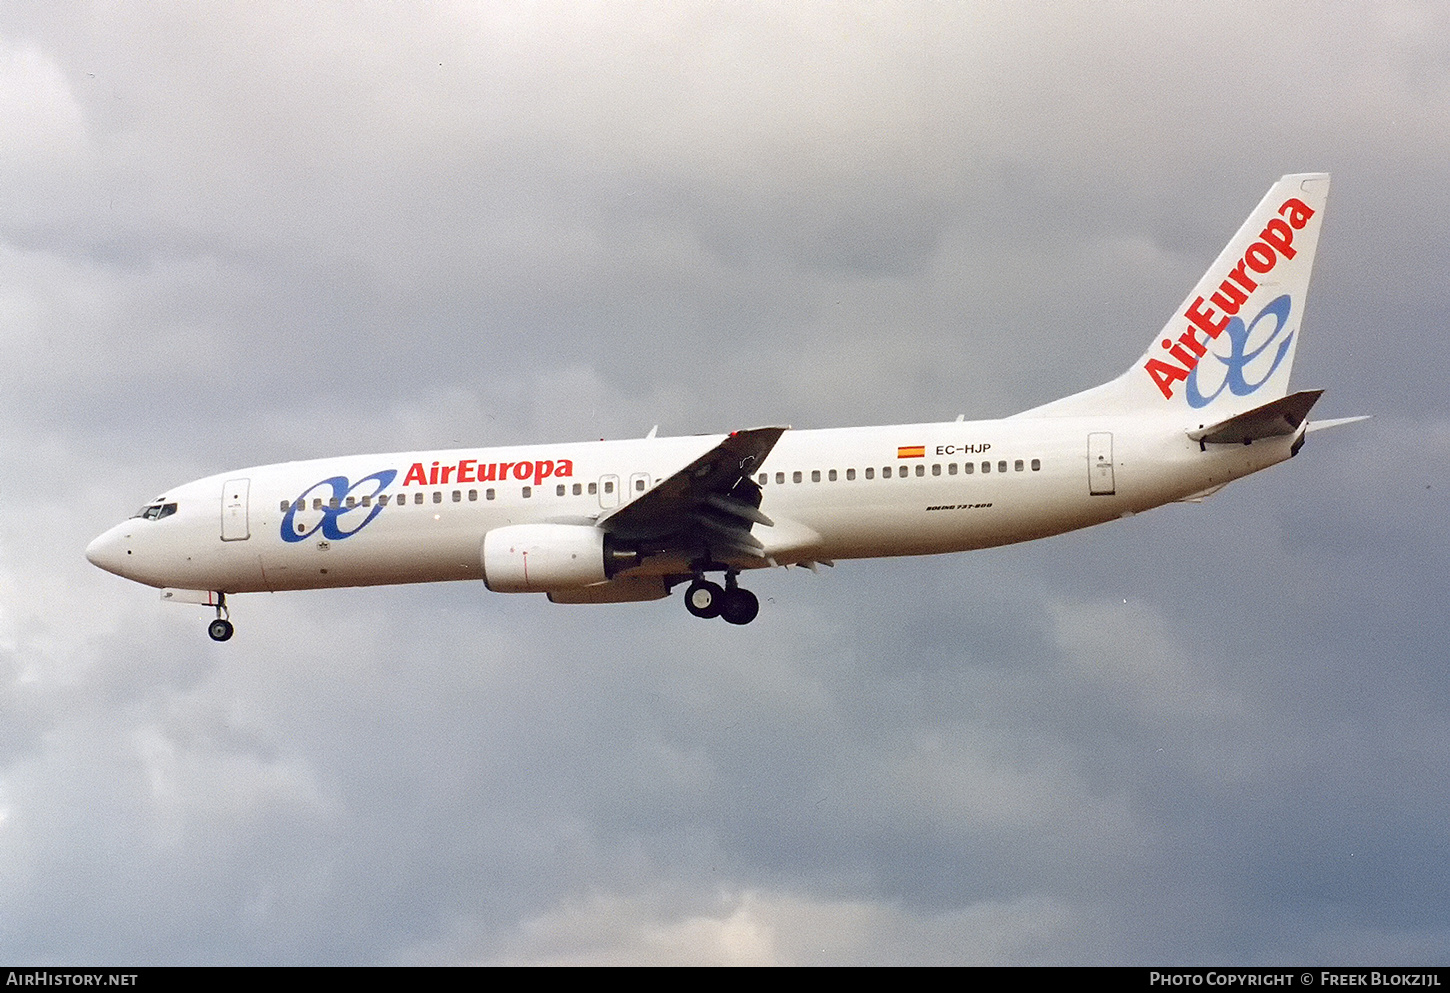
[156, 511]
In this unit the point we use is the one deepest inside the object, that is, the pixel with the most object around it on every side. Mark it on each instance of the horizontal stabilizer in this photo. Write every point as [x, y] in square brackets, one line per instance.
[1334, 422]
[1202, 495]
[1272, 420]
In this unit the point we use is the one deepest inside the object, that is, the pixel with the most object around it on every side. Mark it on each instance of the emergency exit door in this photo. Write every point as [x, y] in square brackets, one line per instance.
[608, 491]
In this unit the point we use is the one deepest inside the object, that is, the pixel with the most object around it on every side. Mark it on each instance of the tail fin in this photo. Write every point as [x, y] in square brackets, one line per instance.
[1230, 345]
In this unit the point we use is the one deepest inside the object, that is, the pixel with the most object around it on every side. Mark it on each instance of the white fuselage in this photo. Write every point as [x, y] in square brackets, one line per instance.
[832, 494]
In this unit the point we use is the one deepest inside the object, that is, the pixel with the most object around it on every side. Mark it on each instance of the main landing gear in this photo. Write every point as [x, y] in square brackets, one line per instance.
[706, 599]
[220, 629]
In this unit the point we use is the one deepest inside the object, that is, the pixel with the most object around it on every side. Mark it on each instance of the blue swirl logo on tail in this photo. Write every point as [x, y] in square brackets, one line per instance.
[1240, 355]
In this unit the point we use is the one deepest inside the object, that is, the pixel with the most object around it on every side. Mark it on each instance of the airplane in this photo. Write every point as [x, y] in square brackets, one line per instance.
[629, 520]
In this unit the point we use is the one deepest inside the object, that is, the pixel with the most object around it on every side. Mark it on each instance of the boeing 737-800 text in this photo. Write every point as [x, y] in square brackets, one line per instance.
[615, 521]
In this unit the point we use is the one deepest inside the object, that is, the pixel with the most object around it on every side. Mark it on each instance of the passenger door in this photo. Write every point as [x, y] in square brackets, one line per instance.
[234, 510]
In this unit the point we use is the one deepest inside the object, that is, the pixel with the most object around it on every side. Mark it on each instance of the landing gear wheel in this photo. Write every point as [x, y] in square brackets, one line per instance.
[220, 629]
[739, 606]
[703, 598]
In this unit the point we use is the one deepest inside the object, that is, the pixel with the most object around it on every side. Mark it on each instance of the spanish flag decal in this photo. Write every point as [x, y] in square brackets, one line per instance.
[911, 452]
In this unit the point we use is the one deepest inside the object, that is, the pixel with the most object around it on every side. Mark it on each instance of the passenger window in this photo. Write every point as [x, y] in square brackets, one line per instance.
[383, 500]
[920, 469]
[831, 476]
[473, 496]
[986, 467]
[815, 475]
[285, 505]
[457, 496]
[488, 494]
[437, 496]
[1002, 466]
[593, 490]
[936, 469]
[780, 477]
[1017, 466]
[763, 478]
[870, 472]
[968, 468]
[559, 490]
[418, 497]
[951, 468]
[639, 485]
[528, 492]
[886, 472]
[367, 501]
[578, 489]
[795, 476]
[333, 503]
[850, 474]
[1036, 465]
[609, 486]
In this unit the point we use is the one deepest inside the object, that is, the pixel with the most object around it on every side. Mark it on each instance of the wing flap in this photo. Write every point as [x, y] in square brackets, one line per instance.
[728, 530]
[736, 508]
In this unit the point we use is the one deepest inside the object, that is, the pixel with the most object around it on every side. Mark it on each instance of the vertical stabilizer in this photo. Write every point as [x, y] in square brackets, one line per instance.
[1230, 345]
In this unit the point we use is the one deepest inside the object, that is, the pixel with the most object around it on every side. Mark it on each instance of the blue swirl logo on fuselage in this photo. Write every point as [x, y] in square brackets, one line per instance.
[1240, 356]
[334, 506]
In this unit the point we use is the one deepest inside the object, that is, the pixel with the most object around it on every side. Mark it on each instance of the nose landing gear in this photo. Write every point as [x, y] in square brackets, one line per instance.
[735, 604]
[221, 629]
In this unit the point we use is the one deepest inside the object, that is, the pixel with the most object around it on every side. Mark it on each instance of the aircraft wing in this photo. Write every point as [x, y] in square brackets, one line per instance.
[711, 504]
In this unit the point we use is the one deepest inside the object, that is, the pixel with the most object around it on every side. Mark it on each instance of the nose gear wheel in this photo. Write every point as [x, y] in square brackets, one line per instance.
[221, 629]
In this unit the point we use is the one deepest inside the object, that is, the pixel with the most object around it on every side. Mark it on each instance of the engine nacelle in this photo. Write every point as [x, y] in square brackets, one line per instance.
[536, 558]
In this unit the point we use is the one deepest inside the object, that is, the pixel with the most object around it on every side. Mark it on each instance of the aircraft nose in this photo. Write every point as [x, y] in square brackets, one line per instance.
[109, 551]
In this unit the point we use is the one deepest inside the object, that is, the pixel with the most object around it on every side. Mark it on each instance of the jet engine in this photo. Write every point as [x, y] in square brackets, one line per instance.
[537, 558]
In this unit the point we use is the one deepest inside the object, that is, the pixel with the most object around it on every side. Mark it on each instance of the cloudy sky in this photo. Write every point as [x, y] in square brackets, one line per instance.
[234, 234]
